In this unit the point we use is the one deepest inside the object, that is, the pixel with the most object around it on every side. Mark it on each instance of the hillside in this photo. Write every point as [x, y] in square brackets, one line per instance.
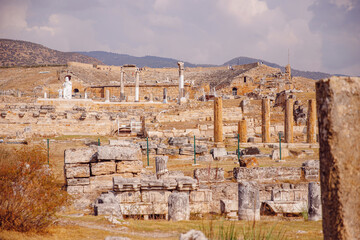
[147, 61]
[159, 62]
[294, 72]
[22, 53]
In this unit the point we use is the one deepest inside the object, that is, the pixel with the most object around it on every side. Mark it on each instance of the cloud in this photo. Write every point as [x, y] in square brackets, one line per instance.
[321, 35]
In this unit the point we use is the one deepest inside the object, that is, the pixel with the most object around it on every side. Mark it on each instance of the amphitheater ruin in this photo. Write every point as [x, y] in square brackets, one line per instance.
[183, 142]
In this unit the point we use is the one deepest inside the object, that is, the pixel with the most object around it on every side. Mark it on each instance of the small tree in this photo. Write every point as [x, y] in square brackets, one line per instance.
[29, 194]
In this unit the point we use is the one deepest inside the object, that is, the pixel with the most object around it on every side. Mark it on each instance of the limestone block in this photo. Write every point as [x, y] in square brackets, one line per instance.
[201, 195]
[110, 152]
[249, 202]
[178, 141]
[227, 158]
[126, 184]
[128, 197]
[80, 155]
[275, 154]
[200, 207]
[267, 174]
[281, 207]
[129, 166]
[209, 174]
[99, 183]
[106, 204]
[187, 151]
[205, 158]
[77, 181]
[122, 143]
[193, 235]
[77, 170]
[186, 184]
[171, 151]
[314, 202]
[75, 189]
[338, 111]
[201, 149]
[218, 152]
[155, 196]
[161, 164]
[103, 168]
[227, 206]
[178, 206]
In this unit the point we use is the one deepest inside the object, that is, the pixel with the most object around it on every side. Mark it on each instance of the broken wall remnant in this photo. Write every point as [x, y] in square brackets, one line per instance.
[338, 111]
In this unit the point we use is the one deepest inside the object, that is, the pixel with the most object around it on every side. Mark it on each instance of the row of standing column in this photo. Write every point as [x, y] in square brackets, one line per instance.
[265, 125]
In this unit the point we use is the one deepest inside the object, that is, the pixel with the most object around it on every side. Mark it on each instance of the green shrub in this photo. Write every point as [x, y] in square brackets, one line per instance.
[29, 195]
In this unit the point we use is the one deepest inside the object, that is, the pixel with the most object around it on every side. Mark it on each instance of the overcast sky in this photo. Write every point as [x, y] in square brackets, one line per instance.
[322, 35]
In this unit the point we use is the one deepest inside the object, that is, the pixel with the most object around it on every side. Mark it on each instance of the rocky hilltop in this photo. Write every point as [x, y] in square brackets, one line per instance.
[22, 53]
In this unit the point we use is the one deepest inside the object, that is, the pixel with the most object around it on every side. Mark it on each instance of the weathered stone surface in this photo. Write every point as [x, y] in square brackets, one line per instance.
[201, 195]
[155, 196]
[289, 121]
[281, 207]
[311, 170]
[179, 208]
[249, 202]
[338, 108]
[106, 204]
[126, 184]
[267, 174]
[311, 122]
[77, 181]
[218, 152]
[129, 166]
[192, 235]
[102, 168]
[186, 183]
[275, 154]
[122, 143]
[161, 164]
[250, 151]
[77, 170]
[80, 155]
[265, 120]
[128, 197]
[178, 141]
[205, 158]
[209, 174]
[314, 202]
[227, 206]
[110, 152]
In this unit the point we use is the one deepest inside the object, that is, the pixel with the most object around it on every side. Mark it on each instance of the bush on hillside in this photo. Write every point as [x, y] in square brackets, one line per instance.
[29, 194]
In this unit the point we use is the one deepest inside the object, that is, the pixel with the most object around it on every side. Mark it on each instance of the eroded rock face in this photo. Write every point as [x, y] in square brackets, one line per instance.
[338, 110]
[179, 208]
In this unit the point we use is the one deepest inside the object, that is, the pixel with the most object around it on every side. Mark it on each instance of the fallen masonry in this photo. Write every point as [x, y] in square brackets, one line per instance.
[112, 180]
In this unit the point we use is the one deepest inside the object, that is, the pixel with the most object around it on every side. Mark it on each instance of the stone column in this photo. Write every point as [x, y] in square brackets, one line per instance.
[45, 95]
[218, 123]
[178, 206]
[107, 96]
[249, 201]
[289, 121]
[161, 162]
[181, 81]
[242, 130]
[137, 83]
[143, 125]
[338, 111]
[314, 202]
[265, 117]
[122, 88]
[311, 122]
[164, 95]
[85, 95]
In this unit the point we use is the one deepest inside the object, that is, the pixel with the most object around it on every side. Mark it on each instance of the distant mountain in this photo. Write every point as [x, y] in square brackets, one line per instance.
[22, 53]
[294, 72]
[147, 61]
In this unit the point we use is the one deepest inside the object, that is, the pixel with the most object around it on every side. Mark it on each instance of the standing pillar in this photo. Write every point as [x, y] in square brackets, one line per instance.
[164, 95]
[265, 124]
[161, 165]
[242, 130]
[181, 81]
[249, 201]
[107, 96]
[338, 111]
[314, 202]
[311, 122]
[45, 95]
[122, 90]
[218, 123]
[137, 83]
[289, 121]
[143, 125]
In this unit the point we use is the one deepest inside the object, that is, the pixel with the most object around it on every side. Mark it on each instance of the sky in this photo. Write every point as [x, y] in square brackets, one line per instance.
[320, 35]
